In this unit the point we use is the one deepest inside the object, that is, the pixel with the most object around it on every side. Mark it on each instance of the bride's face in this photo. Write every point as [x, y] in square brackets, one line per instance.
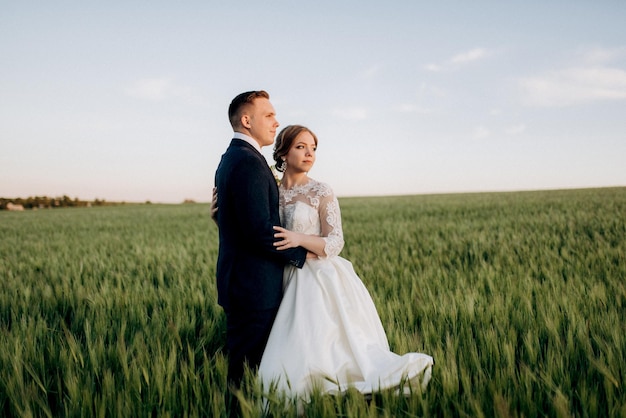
[301, 155]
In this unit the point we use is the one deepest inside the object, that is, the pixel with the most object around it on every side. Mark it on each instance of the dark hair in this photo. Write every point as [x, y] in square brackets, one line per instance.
[285, 139]
[241, 101]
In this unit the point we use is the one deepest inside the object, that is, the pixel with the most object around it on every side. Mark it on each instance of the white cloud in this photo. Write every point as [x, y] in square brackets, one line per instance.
[475, 54]
[433, 67]
[428, 91]
[601, 56]
[411, 108]
[481, 132]
[469, 56]
[369, 73]
[157, 89]
[574, 86]
[350, 113]
[515, 129]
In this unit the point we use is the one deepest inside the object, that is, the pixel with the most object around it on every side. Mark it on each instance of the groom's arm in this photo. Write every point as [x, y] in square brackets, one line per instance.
[254, 212]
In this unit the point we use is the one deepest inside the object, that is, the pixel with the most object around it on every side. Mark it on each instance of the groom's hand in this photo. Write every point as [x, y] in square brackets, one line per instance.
[214, 205]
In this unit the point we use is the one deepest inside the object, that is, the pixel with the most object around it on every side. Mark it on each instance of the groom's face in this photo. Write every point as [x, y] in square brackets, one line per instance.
[262, 122]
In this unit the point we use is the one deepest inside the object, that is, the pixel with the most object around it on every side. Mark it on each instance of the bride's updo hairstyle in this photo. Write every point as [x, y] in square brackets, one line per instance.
[285, 139]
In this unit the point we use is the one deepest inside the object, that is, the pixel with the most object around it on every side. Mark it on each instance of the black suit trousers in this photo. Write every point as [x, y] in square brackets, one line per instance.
[247, 334]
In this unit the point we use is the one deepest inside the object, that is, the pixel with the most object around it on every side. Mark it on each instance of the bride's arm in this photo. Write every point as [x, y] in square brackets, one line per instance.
[290, 239]
[330, 242]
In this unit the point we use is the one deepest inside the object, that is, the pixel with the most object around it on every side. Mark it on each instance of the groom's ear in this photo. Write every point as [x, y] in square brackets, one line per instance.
[245, 121]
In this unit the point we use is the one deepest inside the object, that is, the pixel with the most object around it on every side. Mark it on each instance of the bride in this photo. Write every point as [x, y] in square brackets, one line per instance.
[327, 335]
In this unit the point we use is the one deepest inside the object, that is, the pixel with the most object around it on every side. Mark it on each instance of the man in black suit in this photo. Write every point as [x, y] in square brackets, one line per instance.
[249, 268]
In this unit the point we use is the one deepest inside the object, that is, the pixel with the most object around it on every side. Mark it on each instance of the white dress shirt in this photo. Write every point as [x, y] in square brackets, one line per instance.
[248, 139]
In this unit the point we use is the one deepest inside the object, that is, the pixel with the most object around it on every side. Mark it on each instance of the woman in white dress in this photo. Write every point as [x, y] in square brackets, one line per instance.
[327, 335]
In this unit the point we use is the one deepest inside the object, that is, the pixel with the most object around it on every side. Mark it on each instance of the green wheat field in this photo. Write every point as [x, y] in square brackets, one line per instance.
[520, 298]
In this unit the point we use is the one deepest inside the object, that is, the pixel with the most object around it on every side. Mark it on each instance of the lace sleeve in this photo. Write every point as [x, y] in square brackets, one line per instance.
[330, 218]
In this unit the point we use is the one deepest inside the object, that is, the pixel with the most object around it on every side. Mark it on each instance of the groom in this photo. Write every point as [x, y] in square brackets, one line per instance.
[249, 268]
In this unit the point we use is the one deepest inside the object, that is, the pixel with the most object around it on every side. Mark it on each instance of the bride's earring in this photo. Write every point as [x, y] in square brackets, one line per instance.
[283, 165]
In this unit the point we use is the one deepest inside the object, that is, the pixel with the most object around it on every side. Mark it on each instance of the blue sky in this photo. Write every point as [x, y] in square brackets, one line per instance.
[127, 100]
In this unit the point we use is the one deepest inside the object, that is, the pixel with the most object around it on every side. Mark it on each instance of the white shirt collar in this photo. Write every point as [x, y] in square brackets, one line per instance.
[248, 139]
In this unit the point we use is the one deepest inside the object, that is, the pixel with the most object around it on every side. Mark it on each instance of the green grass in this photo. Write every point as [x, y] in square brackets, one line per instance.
[519, 297]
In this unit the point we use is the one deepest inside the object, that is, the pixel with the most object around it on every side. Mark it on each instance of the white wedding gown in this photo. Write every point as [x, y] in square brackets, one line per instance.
[327, 335]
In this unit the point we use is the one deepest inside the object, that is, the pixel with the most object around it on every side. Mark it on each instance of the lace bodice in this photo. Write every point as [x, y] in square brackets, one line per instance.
[313, 209]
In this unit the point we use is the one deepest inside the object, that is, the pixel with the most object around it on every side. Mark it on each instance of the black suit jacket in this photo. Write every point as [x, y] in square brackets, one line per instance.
[249, 268]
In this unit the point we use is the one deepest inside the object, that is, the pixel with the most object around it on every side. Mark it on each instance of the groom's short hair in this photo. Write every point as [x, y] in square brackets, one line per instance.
[239, 103]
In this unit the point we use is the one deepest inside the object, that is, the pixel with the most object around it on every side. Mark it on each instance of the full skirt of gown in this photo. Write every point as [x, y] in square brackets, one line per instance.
[328, 337]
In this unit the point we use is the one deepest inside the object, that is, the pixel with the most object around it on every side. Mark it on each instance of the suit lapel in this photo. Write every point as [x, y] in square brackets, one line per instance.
[249, 148]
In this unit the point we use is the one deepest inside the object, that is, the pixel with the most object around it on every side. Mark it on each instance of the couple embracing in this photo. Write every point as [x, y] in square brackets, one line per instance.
[294, 308]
